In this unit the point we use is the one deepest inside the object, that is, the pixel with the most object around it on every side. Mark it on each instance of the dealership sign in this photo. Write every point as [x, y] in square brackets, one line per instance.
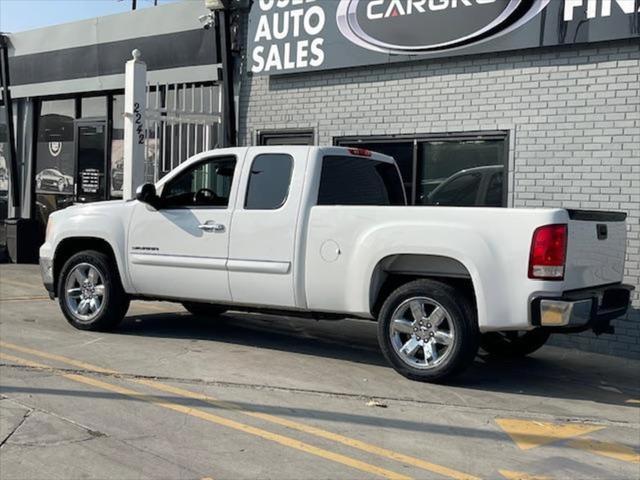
[298, 35]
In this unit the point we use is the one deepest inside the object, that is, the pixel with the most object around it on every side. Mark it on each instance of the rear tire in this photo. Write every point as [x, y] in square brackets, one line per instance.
[90, 292]
[514, 344]
[428, 331]
[205, 310]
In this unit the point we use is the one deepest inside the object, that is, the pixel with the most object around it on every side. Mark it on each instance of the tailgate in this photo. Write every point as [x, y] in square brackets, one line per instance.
[596, 248]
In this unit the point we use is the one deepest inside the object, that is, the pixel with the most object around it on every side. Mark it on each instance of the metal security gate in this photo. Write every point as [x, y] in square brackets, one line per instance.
[181, 120]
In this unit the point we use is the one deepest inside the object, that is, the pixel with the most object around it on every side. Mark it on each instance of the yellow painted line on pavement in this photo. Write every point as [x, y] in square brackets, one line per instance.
[510, 475]
[633, 400]
[606, 449]
[358, 444]
[318, 432]
[58, 358]
[528, 434]
[201, 414]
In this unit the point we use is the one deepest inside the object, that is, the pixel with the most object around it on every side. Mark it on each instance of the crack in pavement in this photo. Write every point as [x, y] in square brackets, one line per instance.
[31, 409]
[337, 395]
[15, 429]
[54, 443]
[156, 455]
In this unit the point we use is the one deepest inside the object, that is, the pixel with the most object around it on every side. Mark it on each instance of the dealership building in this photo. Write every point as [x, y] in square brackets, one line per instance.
[67, 86]
[503, 103]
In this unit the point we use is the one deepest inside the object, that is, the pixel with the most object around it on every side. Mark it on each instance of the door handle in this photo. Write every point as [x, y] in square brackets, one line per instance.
[211, 226]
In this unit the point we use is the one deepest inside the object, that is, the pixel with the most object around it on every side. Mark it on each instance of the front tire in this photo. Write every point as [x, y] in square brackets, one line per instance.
[514, 344]
[205, 310]
[428, 331]
[90, 292]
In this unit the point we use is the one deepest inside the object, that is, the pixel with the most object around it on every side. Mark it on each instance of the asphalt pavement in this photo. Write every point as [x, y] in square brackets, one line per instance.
[172, 396]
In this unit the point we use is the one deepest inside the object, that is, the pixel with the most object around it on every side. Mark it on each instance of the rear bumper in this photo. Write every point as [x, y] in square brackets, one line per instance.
[585, 309]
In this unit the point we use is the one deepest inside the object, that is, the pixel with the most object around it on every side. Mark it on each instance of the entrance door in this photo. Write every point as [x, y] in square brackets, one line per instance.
[91, 161]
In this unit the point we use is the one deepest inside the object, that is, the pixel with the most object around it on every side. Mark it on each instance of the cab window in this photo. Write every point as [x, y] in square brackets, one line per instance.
[358, 181]
[269, 181]
[206, 184]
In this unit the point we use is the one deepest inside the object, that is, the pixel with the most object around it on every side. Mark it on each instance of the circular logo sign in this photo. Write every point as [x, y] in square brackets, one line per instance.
[423, 26]
[55, 148]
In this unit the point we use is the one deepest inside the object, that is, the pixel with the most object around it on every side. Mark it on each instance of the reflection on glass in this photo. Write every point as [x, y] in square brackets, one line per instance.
[467, 165]
[4, 171]
[93, 107]
[54, 157]
[494, 195]
[117, 146]
[54, 162]
[460, 190]
[91, 162]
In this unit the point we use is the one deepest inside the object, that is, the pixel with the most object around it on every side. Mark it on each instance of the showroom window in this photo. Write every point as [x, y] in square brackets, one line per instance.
[55, 157]
[447, 170]
[4, 167]
[269, 181]
[117, 145]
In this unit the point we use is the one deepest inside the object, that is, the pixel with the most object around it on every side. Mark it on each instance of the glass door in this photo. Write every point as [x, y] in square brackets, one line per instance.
[91, 161]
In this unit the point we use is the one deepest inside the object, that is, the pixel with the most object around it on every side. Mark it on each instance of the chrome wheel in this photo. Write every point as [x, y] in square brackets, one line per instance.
[85, 292]
[421, 332]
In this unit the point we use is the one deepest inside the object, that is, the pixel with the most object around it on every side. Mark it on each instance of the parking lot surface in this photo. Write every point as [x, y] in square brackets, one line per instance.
[170, 395]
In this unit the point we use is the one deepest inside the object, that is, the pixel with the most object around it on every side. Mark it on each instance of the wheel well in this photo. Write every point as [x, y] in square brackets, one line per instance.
[70, 246]
[396, 270]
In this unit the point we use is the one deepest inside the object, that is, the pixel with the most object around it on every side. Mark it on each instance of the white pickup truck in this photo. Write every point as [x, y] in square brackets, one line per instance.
[326, 233]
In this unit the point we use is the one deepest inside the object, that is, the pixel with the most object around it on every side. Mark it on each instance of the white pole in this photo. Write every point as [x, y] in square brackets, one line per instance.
[134, 124]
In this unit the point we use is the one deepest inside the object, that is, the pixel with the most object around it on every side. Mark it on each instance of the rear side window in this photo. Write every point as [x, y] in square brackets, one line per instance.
[269, 181]
[359, 181]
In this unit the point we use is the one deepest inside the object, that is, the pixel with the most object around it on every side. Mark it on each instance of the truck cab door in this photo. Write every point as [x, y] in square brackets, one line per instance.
[263, 230]
[179, 250]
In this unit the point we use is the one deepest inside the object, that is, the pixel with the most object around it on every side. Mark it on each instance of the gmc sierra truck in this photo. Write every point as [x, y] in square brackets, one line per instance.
[325, 232]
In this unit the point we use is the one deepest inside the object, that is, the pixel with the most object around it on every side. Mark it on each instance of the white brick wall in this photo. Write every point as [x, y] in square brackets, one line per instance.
[573, 115]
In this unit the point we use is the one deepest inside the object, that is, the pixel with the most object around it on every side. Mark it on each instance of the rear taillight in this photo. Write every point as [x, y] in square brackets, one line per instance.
[548, 252]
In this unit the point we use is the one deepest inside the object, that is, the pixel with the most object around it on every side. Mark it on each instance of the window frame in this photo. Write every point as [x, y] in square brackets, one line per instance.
[262, 136]
[418, 138]
[286, 197]
[191, 168]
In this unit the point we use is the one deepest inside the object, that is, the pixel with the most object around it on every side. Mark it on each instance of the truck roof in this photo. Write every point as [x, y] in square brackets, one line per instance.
[327, 150]
[299, 149]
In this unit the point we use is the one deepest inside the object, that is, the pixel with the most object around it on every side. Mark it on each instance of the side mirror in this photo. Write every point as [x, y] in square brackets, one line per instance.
[146, 193]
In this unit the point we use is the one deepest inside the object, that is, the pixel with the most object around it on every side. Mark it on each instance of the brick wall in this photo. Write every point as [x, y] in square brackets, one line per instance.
[573, 115]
